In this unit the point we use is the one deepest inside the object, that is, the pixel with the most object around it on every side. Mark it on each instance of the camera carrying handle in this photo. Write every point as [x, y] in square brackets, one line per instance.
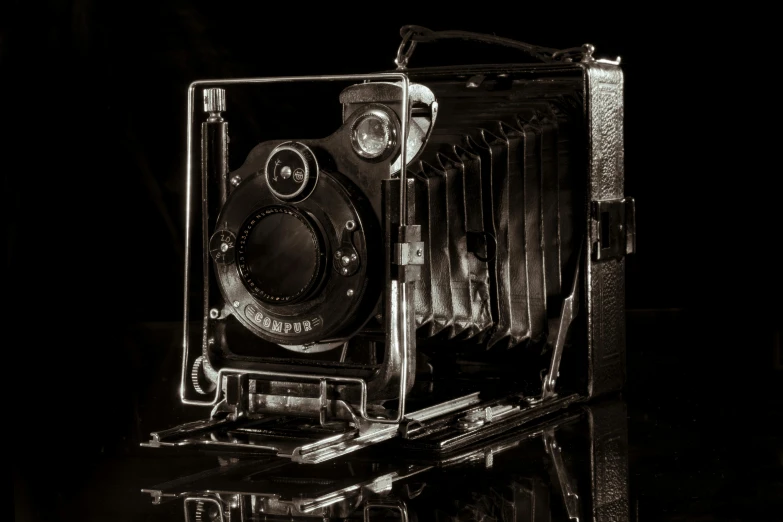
[414, 34]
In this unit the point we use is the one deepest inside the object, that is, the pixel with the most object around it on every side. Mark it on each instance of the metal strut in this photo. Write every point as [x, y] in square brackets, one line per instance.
[569, 311]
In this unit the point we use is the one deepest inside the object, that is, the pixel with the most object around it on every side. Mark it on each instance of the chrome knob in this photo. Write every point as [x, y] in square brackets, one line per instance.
[200, 382]
[214, 99]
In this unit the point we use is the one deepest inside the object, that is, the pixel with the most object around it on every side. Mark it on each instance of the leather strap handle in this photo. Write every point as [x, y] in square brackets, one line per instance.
[414, 34]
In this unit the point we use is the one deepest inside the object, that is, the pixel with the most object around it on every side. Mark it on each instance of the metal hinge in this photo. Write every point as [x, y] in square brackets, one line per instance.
[408, 253]
[613, 228]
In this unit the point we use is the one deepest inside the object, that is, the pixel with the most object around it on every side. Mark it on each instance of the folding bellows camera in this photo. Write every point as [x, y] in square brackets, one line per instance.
[446, 265]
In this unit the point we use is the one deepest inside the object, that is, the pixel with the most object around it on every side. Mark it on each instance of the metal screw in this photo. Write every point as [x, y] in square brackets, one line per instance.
[338, 254]
[236, 304]
[349, 293]
[345, 260]
[353, 257]
[419, 252]
[379, 316]
[236, 180]
[345, 271]
[223, 247]
[214, 313]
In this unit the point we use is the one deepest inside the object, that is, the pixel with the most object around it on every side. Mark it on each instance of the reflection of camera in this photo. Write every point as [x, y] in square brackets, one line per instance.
[332, 291]
[572, 466]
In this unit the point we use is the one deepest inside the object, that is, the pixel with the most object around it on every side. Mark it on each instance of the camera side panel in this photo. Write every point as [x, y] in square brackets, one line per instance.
[605, 282]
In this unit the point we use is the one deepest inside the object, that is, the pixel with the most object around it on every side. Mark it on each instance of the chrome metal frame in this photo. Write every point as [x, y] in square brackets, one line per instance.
[400, 337]
[319, 450]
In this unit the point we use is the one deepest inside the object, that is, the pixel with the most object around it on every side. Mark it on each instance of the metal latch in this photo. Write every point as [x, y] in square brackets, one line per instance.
[408, 254]
[614, 228]
[477, 418]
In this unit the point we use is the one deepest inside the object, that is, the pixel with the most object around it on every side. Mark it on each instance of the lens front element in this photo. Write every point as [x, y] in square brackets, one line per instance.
[280, 254]
[372, 134]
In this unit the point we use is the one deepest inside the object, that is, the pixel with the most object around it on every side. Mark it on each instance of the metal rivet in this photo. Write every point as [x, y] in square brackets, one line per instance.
[345, 271]
[338, 254]
[353, 257]
[350, 224]
[236, 304]
[345, 260]
[223, 247]
[349, 293]
[419, 252]
[236, 180]
[379, 317]
[214, 313]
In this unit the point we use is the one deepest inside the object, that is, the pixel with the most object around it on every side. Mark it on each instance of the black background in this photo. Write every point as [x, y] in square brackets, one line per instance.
[93, 166]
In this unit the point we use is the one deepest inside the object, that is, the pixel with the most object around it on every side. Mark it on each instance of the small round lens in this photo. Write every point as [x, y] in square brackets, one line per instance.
[372, 134]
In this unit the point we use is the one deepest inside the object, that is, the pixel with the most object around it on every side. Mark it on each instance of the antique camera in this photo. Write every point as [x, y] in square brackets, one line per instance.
[450, 258]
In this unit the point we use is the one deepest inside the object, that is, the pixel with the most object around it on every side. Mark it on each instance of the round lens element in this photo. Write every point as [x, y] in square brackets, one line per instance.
[279, 255]
[372, 134]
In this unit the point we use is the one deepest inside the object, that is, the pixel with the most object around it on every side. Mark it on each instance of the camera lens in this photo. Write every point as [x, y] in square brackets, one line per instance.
[280, 254]
[372, 134]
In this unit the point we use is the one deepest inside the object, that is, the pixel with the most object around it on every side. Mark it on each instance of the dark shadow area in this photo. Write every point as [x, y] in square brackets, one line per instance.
[93, 192]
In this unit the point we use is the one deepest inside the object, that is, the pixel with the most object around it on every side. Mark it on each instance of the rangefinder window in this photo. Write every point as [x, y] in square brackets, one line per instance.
[374, 133]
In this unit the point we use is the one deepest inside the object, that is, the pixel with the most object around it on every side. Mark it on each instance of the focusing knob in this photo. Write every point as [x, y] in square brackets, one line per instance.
[215, 100]
[291, 171]
[200, 382]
